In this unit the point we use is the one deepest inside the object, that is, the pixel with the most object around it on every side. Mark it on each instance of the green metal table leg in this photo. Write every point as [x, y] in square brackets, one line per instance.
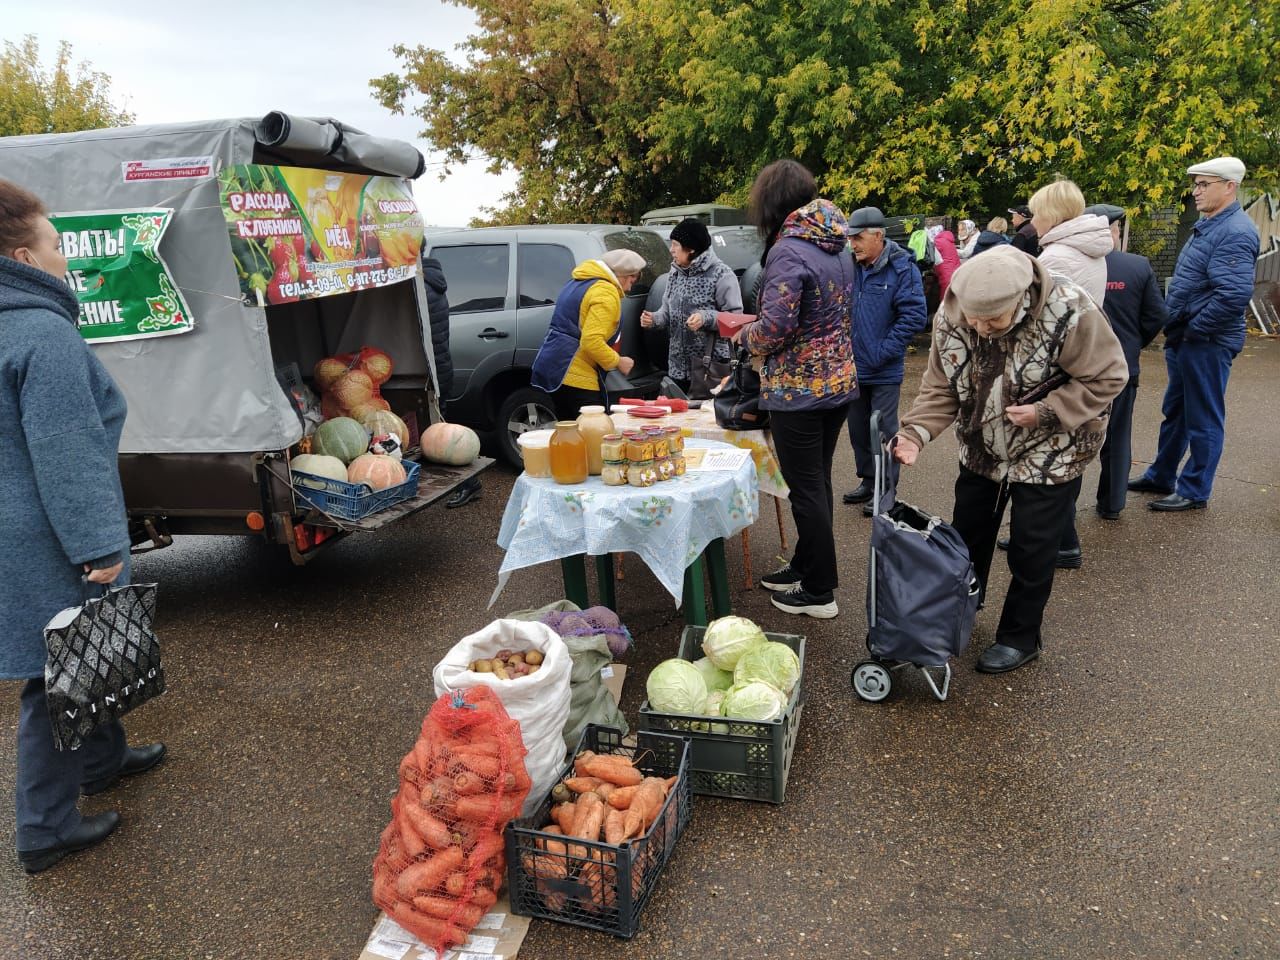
[604, 573]
[719, 576]
[695, 596]
[575, 580]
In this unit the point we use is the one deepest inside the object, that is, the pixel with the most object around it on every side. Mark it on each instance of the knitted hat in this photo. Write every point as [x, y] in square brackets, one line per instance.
[1228, 168]
[692, 234]
[992, 284]
[624, 263]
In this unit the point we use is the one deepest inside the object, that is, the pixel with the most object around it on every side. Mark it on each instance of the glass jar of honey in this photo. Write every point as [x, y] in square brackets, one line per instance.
[613, 448]
[677, 461]
[675, 440]
[639, 447]
[658, 437]
[594, 425]
[614, 473]
[665, 468]
[568, 453]
[641, 473]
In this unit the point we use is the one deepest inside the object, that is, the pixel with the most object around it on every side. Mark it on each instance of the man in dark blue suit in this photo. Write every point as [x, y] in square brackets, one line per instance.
[1137, 313]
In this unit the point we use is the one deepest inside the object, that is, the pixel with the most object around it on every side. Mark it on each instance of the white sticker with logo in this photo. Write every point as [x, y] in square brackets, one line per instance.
[167, 168]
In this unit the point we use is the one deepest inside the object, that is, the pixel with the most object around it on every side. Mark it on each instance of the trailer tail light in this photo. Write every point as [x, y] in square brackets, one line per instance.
[255, 521]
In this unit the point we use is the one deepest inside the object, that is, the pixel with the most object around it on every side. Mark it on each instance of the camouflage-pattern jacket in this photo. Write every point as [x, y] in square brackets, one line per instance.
[971, 379]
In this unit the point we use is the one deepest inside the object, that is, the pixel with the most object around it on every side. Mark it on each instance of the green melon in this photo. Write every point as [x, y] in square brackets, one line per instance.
[317, 465]
[340, 437]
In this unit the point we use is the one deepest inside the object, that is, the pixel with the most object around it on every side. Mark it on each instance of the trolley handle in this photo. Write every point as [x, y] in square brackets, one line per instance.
[880, 458]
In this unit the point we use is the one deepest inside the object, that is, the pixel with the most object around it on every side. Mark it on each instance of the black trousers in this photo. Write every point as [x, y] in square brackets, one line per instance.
[872, 397]
[1035, 532]
[806, 444]
[1116, 458]
[569, 400]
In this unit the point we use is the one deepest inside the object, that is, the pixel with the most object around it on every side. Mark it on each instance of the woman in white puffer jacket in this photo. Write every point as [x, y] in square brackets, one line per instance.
[1073, 244]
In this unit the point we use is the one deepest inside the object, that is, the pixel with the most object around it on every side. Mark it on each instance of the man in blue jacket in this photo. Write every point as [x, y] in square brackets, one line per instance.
[1210, 290]
[888, 310]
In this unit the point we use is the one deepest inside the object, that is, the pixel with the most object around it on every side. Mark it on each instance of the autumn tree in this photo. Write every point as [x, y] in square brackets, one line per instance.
[65, 98]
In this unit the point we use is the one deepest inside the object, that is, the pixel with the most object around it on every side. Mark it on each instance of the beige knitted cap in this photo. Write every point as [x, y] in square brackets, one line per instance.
[993, 282]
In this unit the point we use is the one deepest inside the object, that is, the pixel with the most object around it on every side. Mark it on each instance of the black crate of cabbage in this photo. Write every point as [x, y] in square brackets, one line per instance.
[743, 759]
[599, 885]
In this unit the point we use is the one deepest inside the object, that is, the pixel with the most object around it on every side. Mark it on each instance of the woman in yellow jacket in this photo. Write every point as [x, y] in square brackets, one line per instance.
[576, 353]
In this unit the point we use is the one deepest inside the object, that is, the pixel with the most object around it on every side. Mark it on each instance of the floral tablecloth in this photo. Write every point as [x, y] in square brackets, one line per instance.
[702, 424]
[668, 524]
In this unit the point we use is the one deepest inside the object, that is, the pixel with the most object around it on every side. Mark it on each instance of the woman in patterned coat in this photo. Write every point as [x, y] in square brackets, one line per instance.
[1007, 327]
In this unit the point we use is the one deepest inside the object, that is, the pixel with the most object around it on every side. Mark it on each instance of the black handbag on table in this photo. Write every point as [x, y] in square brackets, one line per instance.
[104, 660]
[737, 406]
[706, 372]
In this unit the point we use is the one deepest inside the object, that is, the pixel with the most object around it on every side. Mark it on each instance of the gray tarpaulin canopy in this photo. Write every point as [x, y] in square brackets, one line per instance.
[214, 389]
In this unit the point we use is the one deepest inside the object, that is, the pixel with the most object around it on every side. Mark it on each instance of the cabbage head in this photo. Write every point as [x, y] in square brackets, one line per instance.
[676, 686]
[728, 638]
[774, 663]
[714, 703]
[715, 678]
[754, 700]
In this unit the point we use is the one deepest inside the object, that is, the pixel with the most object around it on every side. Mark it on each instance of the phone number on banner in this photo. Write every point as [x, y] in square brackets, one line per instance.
[357, 279]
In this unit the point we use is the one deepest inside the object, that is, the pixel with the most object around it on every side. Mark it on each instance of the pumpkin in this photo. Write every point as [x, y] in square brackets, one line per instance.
[317, 465]
[327, 372]
[340, 437]
[376, 472]
[352, 389]
[450, 443]
[378, 422]
[362, 410]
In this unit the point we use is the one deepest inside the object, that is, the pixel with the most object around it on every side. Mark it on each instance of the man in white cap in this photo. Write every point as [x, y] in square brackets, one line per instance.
[1208, 295]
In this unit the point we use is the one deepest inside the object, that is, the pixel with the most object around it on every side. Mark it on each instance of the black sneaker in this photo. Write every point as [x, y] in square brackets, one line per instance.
[783, 579]
[797, 600]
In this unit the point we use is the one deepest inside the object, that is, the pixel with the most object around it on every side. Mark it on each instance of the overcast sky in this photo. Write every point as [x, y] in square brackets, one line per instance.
[176, 62]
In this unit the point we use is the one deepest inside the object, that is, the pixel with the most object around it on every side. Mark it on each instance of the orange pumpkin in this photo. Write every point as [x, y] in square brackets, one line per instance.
[375, 472]
[352, 389]
[327, 372]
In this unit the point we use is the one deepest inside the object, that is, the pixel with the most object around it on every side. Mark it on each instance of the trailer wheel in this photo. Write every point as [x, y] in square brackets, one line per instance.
[871, 681]
[524, 410]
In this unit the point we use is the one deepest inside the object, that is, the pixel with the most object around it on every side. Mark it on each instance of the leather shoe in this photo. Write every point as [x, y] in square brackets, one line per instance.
[1070, 559]
[92, 830]
[999, 658]
[136, 760]
[1107, 514]
[1175, 504]
[1143, 485]
[868, 510]
[860, 494]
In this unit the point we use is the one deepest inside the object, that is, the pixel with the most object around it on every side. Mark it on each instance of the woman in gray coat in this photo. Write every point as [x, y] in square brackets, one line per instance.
[699, 285]
[62, 518]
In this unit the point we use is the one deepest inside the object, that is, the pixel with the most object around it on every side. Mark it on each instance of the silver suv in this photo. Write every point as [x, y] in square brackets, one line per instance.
[503, 283]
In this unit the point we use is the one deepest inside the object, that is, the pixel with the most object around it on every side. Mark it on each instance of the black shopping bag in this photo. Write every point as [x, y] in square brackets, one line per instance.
[104, 660]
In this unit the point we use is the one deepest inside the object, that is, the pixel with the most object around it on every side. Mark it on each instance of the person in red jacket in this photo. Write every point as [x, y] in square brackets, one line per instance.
[944, 242]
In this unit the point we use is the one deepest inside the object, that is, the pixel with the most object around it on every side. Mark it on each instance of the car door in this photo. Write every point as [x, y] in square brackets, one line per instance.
[482, 316]
[542, 269]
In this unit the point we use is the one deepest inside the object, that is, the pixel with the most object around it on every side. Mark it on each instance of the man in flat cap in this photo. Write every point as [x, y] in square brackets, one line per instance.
[888, 310]
[1025, 237]
[1208, 295]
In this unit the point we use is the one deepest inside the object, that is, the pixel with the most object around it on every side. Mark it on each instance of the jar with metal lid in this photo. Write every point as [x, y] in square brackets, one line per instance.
[661, 446]
[677, 461]
[613, 447]
[614, 473]
[675, 440]
[641, 473]
[666, 469]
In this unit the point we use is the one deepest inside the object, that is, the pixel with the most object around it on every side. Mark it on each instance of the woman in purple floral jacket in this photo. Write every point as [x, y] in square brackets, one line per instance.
[803, 334]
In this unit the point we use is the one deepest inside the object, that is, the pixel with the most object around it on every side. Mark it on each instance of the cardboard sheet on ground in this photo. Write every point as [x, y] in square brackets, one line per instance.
[499, 933]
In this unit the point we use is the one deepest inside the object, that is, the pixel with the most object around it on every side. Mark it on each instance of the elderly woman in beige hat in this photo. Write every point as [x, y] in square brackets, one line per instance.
[1025, 368]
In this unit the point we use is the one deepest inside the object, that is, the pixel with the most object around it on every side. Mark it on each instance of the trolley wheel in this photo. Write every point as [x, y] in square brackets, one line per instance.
[871, 681]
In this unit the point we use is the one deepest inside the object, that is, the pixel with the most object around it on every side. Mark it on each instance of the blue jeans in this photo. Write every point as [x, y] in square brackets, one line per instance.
[1195, 418]
[49, 779]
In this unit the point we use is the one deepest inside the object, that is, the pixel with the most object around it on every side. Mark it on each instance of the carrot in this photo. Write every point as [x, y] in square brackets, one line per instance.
[409, 837]
[644, 806]
[432, 831]
[620, 774]
[490, 768]
[615, 830]
[462, 914]
[562, 814]
[484, 808]
[427, 875]
[671, 783]
[484, 898]
[488, 747]
[589, 821]
[600, 878]
[582, 784]
[621, 798]
[581, 760]
[468, 784]
[605, 789]
[553, 828]
[554, 865]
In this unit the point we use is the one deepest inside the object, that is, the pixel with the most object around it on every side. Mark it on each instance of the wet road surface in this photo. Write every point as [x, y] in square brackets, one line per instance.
[1119, 798]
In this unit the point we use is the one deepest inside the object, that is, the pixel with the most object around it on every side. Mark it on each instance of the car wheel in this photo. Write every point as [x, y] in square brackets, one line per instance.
[522, 411]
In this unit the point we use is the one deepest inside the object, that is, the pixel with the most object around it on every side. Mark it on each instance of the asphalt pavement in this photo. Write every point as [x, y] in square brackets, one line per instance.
[1118, 798]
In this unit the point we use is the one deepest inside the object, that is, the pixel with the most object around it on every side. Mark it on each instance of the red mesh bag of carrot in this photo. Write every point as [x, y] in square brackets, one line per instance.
[440, 863]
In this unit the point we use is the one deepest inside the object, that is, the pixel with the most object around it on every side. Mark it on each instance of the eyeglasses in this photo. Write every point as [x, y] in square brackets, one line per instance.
[1199, 185]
